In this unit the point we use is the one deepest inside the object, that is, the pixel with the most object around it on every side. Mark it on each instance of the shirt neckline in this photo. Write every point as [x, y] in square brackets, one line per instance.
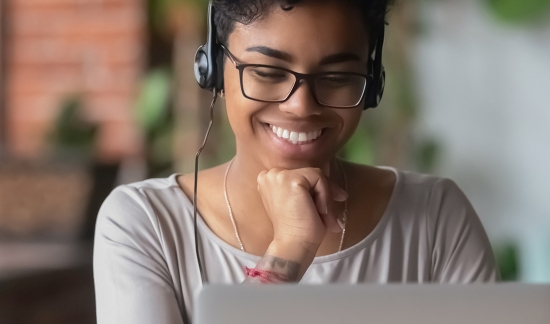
[321, 259]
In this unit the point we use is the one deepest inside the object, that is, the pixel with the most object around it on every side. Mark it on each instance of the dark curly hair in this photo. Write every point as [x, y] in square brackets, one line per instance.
[227, 12]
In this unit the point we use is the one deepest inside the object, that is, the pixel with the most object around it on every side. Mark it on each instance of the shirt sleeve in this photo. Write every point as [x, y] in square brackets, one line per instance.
[461, 252]
[131, 276]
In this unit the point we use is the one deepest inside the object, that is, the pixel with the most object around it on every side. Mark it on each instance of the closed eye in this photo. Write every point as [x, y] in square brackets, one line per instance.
[336, 80]
[265, 74]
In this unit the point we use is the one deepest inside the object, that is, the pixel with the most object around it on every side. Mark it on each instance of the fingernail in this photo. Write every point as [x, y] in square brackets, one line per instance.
[341, 196]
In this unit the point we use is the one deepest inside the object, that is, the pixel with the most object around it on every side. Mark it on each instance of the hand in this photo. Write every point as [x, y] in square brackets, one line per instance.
[300, 204]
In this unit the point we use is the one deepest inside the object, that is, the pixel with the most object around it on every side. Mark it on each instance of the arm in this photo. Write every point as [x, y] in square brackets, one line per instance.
[288, 261]
[132, 280]
[300, 205]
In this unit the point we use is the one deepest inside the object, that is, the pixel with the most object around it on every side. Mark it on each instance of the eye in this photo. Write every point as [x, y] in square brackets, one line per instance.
[336, 80]
[267, 74]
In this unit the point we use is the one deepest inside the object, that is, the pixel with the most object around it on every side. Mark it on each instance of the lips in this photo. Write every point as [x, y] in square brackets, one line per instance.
[295, 137]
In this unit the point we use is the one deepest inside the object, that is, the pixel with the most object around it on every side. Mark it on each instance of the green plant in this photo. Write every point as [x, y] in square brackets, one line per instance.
[154, 116]
[73, 135]
[507, 258]
[519, 11]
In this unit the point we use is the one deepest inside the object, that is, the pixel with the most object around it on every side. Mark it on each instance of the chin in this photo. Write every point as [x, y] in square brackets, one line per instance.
[296, 163]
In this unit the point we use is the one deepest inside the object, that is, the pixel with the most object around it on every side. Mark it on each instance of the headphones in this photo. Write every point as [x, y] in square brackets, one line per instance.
[209, 63]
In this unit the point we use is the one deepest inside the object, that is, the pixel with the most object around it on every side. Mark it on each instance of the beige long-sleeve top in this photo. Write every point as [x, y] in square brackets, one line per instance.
[145, 268]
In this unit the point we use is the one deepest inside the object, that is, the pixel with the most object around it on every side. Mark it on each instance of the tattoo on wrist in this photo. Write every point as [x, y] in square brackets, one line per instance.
[273, 269]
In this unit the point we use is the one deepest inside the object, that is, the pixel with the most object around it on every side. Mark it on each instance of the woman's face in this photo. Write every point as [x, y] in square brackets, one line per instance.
[315, 36]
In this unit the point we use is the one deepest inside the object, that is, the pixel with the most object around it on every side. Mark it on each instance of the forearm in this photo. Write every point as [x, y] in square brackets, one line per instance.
[287, 262]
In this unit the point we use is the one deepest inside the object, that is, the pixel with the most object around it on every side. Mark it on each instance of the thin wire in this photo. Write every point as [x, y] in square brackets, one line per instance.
[215, 96]
[345, 215]
[229, 206]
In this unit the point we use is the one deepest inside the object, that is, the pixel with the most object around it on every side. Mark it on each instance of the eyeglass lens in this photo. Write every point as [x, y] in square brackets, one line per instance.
[274, 85]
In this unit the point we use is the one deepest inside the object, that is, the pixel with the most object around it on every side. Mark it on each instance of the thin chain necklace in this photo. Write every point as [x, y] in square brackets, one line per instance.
[345, 214]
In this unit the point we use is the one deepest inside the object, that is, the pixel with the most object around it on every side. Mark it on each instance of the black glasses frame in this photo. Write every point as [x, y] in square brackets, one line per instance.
[309, 78]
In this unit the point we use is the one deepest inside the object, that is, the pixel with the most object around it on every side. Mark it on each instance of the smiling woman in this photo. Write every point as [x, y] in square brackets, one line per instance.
[296, 77]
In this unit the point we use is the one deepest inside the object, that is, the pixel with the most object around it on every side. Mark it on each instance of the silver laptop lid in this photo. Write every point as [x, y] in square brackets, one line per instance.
[374, 304]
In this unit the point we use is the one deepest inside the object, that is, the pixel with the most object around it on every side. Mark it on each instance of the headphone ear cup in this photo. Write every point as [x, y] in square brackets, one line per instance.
[375, 91]
[381, 86]
[201, 67]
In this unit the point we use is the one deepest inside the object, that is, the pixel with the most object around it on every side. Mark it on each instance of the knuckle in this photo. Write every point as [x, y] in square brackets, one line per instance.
[282, 176]
[261, 176]
[295, 183]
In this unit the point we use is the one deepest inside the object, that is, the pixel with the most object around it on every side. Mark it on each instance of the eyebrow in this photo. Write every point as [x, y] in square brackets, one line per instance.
[284, 56]
[339, 58]
[268, 51]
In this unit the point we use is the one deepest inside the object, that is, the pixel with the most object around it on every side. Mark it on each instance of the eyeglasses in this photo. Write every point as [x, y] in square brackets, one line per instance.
[274, 84]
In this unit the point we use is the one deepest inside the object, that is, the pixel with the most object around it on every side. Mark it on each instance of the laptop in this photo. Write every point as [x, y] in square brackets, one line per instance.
[512, 303]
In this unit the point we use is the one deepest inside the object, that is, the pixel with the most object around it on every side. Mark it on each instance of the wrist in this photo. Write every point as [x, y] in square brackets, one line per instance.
[300, 254]
[294, 250]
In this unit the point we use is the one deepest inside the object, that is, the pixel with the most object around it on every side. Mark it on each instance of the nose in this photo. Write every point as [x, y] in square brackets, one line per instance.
[302, 103]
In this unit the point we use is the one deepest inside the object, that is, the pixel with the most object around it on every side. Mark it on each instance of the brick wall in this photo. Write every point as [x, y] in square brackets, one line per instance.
[56, 48]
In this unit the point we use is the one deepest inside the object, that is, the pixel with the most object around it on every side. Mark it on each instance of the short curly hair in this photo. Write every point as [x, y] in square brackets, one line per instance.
[227, 12]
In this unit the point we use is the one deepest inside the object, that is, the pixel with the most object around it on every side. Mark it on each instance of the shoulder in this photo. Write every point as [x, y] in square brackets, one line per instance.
[427, 192]
[437, 202]
[140, 210]
[459, 248]
[140, 196]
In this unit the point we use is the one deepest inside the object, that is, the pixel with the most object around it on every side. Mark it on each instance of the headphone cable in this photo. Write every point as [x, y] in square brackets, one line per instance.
[215, 96]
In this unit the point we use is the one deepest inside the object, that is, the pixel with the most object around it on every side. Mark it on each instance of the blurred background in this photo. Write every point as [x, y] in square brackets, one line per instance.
[97, 93]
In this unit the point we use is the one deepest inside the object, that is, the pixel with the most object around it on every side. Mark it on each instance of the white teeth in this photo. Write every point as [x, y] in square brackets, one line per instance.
[286, 134]
[296, 137]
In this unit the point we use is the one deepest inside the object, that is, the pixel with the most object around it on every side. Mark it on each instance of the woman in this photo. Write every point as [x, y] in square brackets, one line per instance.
[284, 209]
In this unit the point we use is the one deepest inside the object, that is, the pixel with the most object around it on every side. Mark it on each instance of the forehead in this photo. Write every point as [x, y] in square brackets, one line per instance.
[310, 30]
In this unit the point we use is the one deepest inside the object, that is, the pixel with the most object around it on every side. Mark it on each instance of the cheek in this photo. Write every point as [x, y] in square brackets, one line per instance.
[233, 98]
[350, 120]
[231, 82]
[240, 110]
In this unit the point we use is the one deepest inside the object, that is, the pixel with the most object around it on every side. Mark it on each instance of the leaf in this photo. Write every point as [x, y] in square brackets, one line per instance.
[71, 131]
[152, 104]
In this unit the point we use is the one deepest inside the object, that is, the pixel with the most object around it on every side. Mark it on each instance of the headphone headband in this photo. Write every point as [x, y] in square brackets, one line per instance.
[208, 65]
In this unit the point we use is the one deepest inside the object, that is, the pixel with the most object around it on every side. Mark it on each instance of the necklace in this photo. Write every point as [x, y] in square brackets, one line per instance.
[345, 214]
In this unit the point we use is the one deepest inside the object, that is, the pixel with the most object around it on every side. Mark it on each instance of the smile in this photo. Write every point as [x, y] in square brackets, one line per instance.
[295, 138]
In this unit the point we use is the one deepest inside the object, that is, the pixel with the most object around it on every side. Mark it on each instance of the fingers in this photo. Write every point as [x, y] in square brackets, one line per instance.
[337, 193]
[320, 190]
[324, 195]
[315, 184]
